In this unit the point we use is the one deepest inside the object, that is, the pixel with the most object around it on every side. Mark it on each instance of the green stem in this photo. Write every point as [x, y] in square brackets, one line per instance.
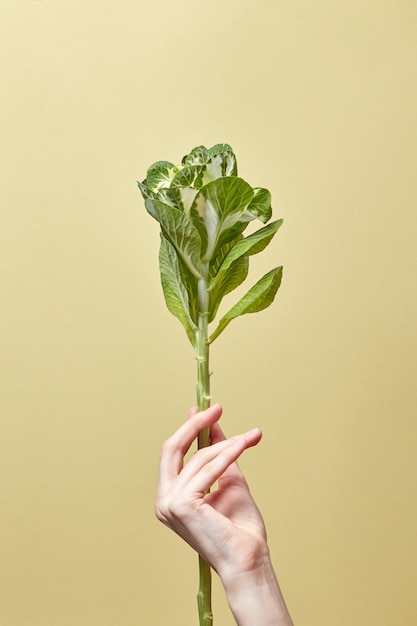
[203, 400]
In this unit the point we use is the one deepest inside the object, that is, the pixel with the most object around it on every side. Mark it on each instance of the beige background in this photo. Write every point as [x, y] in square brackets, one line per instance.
[319, 101]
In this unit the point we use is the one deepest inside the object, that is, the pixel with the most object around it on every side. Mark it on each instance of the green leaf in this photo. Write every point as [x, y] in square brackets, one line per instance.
[253, 244]
[236, 276]
[230, 281]
[175, 293]
[220, 148]
[259, 297]
[189, 176]
[146, 193]
[180, 231]
[190, 283]
[171, 196]
[220, 211]
[261, 204]
[222, 162]
[185, 185]
[159, 175]
[197, 156]
[217, 261]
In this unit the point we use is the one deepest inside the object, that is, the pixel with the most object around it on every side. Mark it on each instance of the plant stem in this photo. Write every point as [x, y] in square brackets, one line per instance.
[203, 401]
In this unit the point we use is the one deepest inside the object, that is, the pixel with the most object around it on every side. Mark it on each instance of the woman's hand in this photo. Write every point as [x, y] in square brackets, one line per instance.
[224, 526]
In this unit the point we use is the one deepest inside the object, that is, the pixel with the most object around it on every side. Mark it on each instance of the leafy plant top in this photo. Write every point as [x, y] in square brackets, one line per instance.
[203, 208]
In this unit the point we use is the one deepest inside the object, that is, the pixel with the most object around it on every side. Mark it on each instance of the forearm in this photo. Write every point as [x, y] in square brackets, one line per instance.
[255, 598]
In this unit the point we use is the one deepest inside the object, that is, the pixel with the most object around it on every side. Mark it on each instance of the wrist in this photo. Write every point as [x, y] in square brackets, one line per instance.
[255, 597]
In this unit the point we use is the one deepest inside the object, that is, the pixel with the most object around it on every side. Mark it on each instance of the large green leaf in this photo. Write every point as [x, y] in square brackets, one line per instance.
[253, 244]
[219, 207]
[180, 231]
[175, 292]
[259, 297]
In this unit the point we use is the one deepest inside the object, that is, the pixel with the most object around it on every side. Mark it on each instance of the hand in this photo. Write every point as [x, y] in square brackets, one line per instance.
[224, 526]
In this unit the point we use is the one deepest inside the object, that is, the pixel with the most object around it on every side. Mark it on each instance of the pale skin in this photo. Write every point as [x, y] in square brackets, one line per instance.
[224, 526]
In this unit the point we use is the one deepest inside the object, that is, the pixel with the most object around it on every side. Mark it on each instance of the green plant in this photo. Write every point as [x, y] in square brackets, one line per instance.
[203, 208]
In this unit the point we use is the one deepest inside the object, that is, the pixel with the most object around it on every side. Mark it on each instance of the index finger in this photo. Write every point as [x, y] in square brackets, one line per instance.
[175, 448]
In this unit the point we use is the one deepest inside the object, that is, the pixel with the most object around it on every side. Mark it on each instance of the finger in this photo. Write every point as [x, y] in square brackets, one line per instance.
[210, 463]
[174, 449]
[216, 433]
[233, 471]
[193, 411]
[222, 462]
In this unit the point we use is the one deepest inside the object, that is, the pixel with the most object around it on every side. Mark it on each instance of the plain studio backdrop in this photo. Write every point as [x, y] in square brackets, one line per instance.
[318, 100]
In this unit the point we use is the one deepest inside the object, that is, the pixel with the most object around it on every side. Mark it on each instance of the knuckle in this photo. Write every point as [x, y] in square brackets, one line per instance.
[167, 446]
[167, 509]
[159, 513]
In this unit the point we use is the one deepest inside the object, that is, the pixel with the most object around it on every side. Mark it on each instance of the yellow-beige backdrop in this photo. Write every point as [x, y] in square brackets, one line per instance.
[318, 99]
